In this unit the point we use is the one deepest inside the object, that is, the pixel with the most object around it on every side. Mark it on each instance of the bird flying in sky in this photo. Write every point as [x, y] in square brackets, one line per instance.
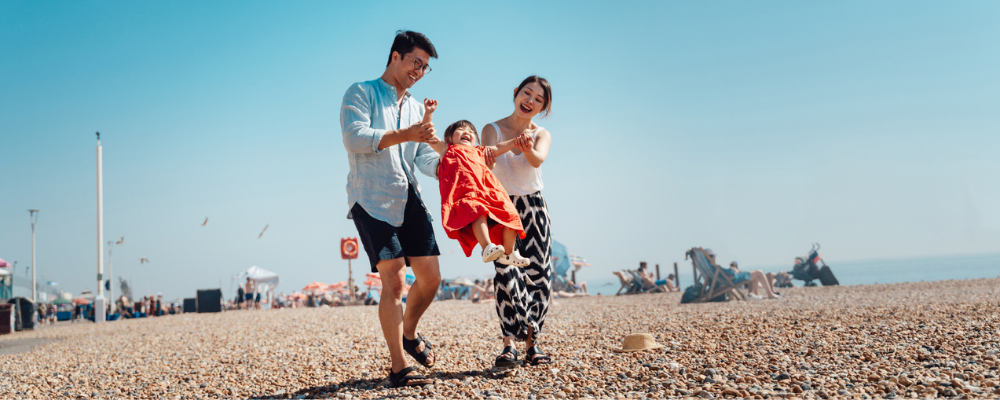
[262, 232]
[206, 222]
[143, 260]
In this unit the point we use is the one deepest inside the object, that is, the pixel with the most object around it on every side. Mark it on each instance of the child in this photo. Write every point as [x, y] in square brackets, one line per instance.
[474, 206]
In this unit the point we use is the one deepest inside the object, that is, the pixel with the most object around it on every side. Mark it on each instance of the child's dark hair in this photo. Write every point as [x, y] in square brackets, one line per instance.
[460, 124]
[405, 42]
[547, 107]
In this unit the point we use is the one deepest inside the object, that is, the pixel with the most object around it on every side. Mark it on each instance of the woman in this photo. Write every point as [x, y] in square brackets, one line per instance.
[755, 279]
[523, 294]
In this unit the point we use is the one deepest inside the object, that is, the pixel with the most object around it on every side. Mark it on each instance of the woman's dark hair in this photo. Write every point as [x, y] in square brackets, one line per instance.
[405, 42]
[460, 124]
[547, 107]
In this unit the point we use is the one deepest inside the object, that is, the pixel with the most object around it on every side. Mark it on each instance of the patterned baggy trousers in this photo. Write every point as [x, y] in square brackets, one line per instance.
[523, 294]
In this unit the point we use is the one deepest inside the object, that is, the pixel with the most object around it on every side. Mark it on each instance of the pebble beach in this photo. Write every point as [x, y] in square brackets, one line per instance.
[908, 340]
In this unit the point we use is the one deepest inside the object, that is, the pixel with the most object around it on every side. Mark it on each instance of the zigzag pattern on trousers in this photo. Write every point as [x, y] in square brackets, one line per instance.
[523, 294]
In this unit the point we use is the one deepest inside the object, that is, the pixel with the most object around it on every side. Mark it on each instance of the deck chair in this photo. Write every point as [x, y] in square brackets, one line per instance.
[628, 281]
[625, 280]
[640, 284]
[713, 281]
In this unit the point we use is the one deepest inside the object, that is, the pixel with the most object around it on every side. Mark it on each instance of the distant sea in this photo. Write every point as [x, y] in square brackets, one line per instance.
[866, 272]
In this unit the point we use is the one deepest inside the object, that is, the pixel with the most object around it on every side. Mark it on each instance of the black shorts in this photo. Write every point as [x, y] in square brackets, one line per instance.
[383, 241]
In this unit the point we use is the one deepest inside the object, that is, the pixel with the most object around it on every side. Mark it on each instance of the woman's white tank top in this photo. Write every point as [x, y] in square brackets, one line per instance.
[513, 171]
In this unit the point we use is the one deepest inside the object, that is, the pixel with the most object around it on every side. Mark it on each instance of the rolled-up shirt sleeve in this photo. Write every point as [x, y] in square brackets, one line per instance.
[427, 160]
[356, 122]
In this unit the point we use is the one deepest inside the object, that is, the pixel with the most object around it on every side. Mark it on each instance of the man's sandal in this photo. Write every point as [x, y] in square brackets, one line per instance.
[535, 356]
[411, 348]
[508, 358]
[399, 379]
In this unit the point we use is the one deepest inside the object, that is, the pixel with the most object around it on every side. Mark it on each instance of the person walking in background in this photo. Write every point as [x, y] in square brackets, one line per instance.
[523, 294]
[77, 310]
[239, 297]
[386, 145]
[248, 294]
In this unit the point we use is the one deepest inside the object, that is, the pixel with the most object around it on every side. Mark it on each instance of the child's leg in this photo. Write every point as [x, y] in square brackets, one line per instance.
[509, 236]
[481, 231]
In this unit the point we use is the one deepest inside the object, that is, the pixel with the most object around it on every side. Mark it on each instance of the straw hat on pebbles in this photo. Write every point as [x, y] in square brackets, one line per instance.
[638, 342]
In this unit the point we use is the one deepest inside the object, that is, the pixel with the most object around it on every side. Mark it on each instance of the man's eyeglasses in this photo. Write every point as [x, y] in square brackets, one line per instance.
[419, 65]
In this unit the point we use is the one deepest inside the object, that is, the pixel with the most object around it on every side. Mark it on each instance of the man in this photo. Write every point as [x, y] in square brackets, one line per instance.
[248, 294]
[386, 144]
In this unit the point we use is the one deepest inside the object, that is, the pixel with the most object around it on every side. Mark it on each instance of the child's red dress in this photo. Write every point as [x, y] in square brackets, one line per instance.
[470, 190]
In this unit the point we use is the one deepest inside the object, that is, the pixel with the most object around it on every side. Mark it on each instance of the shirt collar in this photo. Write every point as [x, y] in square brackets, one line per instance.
[391, 89]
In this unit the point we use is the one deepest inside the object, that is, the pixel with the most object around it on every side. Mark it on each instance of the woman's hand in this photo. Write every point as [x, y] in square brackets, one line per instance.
[489, 156]
[524, 143]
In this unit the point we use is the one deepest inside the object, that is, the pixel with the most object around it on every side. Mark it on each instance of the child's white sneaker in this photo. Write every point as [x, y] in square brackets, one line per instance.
[492, 252]
[514, 259]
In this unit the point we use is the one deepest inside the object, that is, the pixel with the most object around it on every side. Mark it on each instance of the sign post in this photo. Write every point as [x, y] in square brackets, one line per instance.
[349, 251]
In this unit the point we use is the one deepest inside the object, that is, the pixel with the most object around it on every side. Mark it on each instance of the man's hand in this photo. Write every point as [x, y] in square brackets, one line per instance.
[434, 140]
[420, 132]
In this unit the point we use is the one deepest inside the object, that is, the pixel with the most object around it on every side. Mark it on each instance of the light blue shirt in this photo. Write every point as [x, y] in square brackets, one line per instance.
[378, 179]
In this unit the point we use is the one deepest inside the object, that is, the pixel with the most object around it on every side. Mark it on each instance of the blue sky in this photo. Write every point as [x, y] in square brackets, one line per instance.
[753, 128]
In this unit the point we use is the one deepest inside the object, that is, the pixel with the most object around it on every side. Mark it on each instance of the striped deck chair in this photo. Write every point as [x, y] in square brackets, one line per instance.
[714, 282]
[626, 281]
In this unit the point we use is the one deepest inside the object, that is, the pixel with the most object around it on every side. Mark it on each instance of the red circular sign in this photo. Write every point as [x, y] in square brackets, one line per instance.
[349, 248]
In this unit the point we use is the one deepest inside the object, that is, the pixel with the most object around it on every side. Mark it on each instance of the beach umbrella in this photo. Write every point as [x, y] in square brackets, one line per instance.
[4, 264]
[296, 296]
[337, 286]
[578, 261]
[81, 301]
[462, 281]
[61, 300]
[315, 286]
[373, 280]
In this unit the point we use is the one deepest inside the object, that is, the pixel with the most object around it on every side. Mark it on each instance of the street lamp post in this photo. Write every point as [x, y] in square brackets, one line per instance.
[111, 271]
[99, 311]
[33, 214]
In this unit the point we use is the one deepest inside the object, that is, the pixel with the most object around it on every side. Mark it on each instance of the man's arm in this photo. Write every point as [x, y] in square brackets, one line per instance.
[427, 160]
[360, 137]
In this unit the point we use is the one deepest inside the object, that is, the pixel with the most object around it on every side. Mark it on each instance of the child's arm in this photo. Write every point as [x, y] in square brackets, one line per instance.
[503, 146]
[429, 107]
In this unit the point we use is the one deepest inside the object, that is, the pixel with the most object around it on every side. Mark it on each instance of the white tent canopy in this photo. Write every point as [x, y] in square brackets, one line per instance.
[266, 280]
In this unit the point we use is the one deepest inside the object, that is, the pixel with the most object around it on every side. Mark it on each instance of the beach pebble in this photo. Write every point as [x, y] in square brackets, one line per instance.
[715, 350]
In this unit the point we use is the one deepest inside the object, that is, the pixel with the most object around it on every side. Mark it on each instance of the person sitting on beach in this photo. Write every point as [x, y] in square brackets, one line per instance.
[754, 279]
[623, 276]
[474, 206]
[649, 280]
[669, 284]
[577, 287]
[767, 283]
[481, 291]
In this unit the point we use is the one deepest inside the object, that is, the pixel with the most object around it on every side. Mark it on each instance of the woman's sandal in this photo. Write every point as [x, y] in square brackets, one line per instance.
[399, 379]
[411, 348]
[535, 356]
[505, 360]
